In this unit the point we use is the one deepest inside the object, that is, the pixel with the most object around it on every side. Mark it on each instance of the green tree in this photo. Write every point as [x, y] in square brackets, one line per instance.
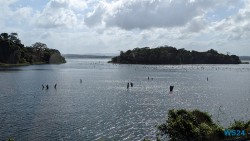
[190, 126]
[38, 49]
[5, 36]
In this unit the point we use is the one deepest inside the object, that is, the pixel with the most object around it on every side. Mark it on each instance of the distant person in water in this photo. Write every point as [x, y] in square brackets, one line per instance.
[127, 85]
[55, 86]
[47, 86]
[80, 80]
[207, 78]
[171, 88]
[131, 84]
[43, 86]
[148, 77]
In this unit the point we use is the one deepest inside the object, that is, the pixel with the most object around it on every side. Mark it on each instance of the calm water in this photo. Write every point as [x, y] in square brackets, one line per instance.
[101, 108]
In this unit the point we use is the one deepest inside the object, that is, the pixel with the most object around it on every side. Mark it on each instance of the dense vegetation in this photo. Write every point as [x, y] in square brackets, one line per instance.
[185, 125]
[12, 51]
[171, 55]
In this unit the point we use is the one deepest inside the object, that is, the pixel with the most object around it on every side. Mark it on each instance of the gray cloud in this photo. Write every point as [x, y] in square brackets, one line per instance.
[58, 4]
[196, 25]
[95, 17]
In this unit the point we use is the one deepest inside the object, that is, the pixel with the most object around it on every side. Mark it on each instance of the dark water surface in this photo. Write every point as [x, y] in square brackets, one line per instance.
[101, 107]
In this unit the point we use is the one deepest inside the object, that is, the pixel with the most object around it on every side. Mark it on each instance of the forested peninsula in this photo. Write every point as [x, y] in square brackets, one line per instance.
[14, 53]
[171, 55]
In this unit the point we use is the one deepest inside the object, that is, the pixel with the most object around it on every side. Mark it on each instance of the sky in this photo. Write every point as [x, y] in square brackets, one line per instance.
[111, 26]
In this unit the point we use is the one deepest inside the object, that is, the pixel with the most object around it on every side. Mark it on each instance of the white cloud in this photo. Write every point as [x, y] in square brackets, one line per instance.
[78, 4]
[142, 14]
[5, 10]
[57, 13]
[73, 4]
[56, 18]
[234, 27]
[22, 14]
[13, 17]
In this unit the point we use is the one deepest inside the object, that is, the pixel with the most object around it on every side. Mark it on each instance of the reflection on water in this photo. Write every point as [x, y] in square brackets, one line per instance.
[102, 108]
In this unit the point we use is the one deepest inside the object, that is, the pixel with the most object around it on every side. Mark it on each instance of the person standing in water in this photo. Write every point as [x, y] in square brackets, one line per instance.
[47, 86]
[171, 88]
[55, 86]
[207, 78]
[131, 84]
[42, 86]
[127, 85]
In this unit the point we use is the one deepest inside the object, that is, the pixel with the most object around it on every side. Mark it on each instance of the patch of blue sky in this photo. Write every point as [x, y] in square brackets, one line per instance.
[12, 24]
[91, 6]
[223, 12]
[37, 5]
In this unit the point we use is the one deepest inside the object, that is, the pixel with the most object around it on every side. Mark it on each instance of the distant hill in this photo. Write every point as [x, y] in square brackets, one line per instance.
[244, 57]
[171, 55]
[79, 56]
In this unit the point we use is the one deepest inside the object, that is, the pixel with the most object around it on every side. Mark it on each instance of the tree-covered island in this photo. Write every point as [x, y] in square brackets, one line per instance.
[14, 53]
[171, 55]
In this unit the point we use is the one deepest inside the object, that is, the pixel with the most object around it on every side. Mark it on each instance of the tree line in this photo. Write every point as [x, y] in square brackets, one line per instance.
[171, 55]
[12, 51]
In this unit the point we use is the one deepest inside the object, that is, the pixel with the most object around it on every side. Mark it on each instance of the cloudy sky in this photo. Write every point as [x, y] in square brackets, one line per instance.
[108, 26]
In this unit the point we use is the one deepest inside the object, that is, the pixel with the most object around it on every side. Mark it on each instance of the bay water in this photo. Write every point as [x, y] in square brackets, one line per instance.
[102, 108]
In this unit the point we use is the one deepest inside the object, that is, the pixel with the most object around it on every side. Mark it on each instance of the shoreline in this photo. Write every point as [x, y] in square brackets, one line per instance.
[245, 62]
[4, 65]
[174, 64]
[14, 65]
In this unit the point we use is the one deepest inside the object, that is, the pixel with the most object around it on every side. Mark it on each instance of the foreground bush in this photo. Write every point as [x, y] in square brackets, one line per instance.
[184, 125]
